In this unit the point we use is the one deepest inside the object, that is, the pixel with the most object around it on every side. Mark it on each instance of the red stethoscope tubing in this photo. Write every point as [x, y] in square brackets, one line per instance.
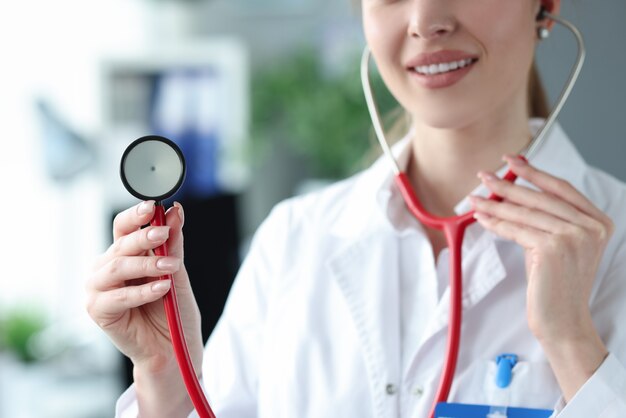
[454, 231]
[177, 335]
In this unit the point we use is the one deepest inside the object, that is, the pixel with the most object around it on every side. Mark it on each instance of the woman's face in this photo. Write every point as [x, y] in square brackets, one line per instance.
[452, 62]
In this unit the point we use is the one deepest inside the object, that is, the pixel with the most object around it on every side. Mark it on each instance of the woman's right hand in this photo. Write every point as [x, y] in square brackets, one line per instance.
[124, 297]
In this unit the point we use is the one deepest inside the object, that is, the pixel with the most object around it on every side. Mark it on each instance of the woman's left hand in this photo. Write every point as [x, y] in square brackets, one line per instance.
[564, 236]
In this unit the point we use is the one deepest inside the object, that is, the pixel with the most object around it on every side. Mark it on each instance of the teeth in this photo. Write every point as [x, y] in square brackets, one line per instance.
[443, 67]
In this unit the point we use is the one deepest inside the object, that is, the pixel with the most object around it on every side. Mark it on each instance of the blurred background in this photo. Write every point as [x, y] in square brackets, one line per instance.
[265, 100]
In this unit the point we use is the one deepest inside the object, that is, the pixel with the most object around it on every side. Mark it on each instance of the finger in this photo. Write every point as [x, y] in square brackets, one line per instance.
[557, 186]
[133, 218]
[175, 218]
[105, 307]
[181, 213]
[522, 235]
[589, 228]
[138, 242]
[534, 199]
[119, 270]
[519, 214]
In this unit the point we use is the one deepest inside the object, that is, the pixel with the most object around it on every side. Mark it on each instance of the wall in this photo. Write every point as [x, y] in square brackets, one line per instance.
[330, 24]
[595, 112]
[592, 116]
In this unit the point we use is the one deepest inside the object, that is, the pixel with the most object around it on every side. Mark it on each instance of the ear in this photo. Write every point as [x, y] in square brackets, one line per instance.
[552, 7]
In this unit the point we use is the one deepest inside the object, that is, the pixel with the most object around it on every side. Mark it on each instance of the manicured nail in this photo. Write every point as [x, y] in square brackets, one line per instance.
[483, 175]
[145, 207]
[159, 234]
[181, 212]
[514, 160]
[168, 263]
[161, 285]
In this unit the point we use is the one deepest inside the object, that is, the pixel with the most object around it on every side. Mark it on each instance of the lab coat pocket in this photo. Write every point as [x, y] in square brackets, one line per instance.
[532, 385]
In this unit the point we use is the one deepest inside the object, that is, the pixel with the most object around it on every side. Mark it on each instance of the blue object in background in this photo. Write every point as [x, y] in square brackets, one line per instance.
[201, 156]
[186, 109]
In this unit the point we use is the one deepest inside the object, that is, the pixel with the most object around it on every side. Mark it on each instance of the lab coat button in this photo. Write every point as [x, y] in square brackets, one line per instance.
[391, 389]
[418, 391]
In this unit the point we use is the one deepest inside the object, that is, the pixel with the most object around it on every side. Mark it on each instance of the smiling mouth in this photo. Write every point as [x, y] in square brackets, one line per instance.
[444, 67]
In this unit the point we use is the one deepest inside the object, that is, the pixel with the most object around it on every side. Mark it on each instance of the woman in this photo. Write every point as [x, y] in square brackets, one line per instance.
[340, 309]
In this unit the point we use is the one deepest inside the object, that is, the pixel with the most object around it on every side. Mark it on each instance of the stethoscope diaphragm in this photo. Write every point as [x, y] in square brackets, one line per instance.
[152, 168]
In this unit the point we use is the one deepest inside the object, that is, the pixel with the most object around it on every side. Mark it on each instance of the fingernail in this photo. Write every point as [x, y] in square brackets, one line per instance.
[161, 285]
[145, 207]
[483, 175]
[158, 234]
[168, 263]
[514, 160]
[181, 212]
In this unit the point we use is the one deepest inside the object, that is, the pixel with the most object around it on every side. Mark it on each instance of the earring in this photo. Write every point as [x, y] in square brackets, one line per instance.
[543, 32]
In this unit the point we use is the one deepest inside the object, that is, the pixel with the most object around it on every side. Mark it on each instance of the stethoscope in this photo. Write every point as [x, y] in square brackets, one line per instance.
[454, 227]
[153, 168]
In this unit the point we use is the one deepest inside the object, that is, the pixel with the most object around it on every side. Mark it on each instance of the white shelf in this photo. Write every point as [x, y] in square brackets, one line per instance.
[127, 86]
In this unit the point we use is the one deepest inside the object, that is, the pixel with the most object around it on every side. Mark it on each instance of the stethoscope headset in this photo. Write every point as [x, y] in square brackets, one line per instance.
[153, 168]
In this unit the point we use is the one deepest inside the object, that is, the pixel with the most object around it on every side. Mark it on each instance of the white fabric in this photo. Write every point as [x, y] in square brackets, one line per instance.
[335, 312]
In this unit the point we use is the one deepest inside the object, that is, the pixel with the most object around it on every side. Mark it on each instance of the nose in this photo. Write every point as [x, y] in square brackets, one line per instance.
[430, 19]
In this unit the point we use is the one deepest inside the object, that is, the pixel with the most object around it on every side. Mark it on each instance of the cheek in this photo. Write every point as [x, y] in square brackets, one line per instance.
[385, 32]
[372, 27]
[511, 60]
[508, 42]
[381, 27]
[509, 38]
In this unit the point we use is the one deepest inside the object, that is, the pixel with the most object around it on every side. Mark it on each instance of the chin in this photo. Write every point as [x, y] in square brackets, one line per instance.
[448, 118]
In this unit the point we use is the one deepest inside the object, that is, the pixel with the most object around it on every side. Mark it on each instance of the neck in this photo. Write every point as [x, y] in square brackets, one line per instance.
[444, 162]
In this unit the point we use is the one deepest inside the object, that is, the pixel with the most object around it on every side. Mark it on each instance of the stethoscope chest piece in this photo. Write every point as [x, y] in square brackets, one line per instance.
[152, 168]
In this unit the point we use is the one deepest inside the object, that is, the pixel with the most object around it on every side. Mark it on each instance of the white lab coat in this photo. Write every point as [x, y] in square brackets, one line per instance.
[312, 326]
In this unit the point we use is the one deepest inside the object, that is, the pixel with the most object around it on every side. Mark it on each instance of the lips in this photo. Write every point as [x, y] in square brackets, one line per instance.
[440, 57]
[441, 69]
